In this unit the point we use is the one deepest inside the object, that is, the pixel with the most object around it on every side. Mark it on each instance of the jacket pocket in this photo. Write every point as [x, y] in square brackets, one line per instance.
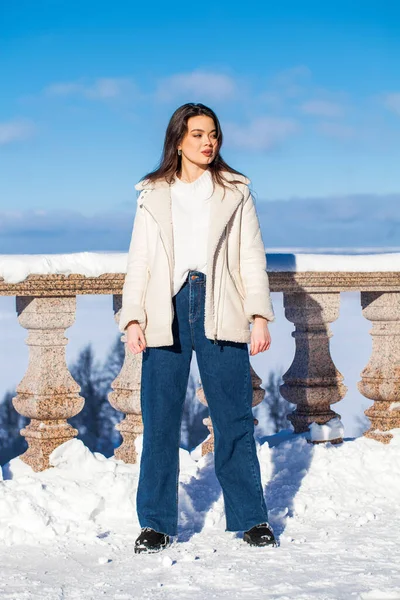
[238, 284]
[145, 286]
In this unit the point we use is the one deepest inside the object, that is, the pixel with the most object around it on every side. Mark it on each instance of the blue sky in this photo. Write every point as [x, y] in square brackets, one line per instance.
[308, 95]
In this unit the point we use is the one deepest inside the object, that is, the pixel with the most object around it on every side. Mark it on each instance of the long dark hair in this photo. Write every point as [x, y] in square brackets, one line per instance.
[171, 163]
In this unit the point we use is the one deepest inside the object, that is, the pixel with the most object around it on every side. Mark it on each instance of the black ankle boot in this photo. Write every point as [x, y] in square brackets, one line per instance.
[151, 541]
[260, 535]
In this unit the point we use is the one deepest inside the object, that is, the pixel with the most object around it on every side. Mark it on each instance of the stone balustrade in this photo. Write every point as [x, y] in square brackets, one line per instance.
[49, 396]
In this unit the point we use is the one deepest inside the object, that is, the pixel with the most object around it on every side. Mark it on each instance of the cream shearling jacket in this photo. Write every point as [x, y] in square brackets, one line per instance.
[237, 285]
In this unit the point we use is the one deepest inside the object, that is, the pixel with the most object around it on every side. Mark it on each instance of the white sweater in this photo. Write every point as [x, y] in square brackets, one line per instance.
[190, 220]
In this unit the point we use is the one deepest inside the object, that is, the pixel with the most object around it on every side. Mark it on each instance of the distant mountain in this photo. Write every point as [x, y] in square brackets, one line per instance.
[335, 222]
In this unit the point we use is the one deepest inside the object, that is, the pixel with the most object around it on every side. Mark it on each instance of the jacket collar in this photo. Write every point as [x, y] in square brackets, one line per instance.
[145, 184]
[222, 208]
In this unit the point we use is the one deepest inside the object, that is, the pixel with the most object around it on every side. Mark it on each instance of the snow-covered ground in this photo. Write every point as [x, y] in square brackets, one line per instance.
[68, 533]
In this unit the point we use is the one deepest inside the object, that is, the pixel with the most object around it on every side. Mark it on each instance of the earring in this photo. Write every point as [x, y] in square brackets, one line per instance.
[179, 152]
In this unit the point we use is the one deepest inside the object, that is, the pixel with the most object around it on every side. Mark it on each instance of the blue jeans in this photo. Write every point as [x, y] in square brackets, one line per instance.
[225, 375]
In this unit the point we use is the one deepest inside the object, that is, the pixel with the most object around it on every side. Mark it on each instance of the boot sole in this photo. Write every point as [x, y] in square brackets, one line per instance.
[251, 543]
[151, 549]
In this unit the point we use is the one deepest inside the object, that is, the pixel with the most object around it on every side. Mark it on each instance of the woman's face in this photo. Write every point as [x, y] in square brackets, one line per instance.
[199, 144]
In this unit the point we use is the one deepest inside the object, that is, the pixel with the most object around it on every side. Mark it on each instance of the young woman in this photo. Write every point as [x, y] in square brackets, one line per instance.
[196, 278]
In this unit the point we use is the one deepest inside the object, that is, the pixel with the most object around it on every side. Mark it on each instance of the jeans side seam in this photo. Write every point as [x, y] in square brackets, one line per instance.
[246, 381]
[257, 481]
[178, 465]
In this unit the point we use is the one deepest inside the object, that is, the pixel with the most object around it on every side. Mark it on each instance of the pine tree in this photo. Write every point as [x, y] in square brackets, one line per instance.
[193, 430]
[11, 442]
[97, 419]
[109, 437]
[87, 374]
[112, 364]
[278, 407]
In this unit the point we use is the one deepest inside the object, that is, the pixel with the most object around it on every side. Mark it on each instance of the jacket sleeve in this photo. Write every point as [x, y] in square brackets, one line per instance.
[253, 264]
[136, 275]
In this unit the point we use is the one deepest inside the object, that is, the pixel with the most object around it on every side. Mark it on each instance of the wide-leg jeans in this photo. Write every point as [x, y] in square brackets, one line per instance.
[224, 369]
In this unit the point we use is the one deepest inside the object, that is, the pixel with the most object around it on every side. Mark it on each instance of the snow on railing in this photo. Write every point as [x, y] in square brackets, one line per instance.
[16, 267]
[46, 287]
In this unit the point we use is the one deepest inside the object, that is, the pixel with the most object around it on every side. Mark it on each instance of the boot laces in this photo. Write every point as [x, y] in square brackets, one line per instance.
[267, 525]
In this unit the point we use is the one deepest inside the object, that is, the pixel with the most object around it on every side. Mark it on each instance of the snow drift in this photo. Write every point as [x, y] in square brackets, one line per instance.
[308, 488]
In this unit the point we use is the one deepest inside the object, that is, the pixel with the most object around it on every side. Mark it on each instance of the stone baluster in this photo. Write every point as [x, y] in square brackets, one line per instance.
[258, 391]
[258, 396]
[47, 394]
[208, 444]
[380, 380]
[126, 396]
[312, 382]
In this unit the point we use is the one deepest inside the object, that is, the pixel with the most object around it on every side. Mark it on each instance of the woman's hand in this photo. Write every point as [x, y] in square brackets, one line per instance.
[260, 335]
[136, 341]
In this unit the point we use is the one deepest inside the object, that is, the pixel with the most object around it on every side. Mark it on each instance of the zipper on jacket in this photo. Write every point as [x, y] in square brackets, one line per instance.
[219, 293]
[173, 257]
[216, 315]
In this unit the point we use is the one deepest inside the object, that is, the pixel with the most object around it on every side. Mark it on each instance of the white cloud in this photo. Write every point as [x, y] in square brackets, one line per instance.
[104, 88]
[199, 84]
[322, 108]
[392, 102]
[336, 130]
[271, 98]
[15, 131]
[287, 76]
[63, 89]
[263, 133]
[290, 82]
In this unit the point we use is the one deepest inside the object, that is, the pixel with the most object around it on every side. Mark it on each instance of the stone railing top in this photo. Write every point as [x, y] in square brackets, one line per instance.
[103, 272]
